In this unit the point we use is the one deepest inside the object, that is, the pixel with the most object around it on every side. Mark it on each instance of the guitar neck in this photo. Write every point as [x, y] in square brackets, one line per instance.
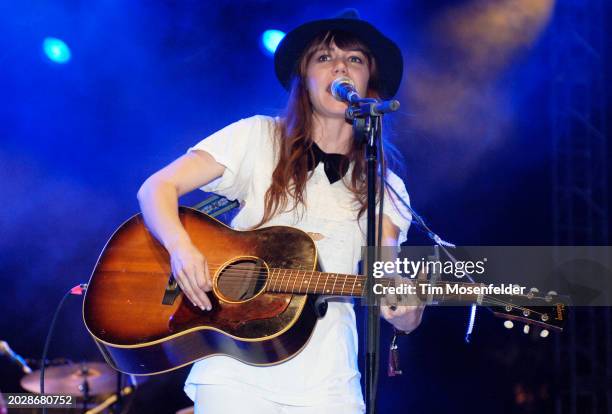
[339, 284]
[315, 282]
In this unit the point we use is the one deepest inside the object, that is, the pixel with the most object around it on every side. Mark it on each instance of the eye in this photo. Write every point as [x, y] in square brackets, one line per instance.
[355, 59]
[324, 57]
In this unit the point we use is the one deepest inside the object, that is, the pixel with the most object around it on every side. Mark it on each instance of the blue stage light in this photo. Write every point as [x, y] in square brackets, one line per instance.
[270, 40]
[56, 50]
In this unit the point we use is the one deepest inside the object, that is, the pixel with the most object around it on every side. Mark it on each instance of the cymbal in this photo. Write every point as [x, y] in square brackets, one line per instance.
[68, 379]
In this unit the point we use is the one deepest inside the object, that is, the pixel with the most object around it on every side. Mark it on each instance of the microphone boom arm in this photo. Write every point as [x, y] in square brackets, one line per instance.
[371, 107]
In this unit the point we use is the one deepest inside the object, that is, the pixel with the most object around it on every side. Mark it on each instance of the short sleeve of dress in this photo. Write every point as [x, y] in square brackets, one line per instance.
[394, 207]
[236, 147]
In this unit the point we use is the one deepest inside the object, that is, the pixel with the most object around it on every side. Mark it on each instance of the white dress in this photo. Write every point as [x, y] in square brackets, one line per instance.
[327, 366]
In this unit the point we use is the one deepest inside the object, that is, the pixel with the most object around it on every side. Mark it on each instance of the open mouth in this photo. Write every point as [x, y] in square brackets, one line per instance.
[329, 91]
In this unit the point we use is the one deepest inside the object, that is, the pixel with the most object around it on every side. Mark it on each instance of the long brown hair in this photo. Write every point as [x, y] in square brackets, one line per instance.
[294, 136]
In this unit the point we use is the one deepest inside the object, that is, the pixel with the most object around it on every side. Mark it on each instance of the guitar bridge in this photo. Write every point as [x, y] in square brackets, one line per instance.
[171, 292]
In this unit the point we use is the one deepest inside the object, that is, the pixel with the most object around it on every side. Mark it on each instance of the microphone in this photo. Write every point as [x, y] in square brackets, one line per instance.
[5, 349]
[343, 89]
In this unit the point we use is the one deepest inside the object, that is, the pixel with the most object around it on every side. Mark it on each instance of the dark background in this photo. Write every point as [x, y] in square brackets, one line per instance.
[149, 79]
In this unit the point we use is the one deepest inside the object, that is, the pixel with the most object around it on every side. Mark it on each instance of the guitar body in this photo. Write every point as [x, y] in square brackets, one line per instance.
[143, 324]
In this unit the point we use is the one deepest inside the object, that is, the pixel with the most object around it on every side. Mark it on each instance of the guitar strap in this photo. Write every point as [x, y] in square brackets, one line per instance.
[215, 205]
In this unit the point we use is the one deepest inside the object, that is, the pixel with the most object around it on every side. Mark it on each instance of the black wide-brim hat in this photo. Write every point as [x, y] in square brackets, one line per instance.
[389, 61]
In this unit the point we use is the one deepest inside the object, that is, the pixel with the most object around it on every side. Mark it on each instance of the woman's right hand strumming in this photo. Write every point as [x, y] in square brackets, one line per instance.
[190, 270]
[158, 197]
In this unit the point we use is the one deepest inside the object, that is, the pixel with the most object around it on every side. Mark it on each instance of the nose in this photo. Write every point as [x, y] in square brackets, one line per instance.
[340, 67]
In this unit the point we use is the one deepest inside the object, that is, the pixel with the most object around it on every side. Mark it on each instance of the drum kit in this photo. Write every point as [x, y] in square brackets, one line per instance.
[87, 379]
[95, 385]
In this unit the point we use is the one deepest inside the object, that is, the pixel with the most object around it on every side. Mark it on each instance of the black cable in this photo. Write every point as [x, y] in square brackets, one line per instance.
[424, 227]
[48, 341]
[443, 245]
[77, 290]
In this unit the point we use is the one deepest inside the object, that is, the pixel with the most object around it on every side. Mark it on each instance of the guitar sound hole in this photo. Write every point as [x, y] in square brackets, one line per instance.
[243, 279]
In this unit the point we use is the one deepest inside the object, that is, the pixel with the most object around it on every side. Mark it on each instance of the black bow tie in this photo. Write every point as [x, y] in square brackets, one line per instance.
[335, 165]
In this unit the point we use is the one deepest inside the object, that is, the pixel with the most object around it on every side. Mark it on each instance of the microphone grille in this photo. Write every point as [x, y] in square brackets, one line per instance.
[337, 83]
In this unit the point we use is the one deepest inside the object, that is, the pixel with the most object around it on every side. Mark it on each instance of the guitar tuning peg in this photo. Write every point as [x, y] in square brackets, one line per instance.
[544, 333]
[532, 292]
[508, 324]
[526, 329]
[549, 295]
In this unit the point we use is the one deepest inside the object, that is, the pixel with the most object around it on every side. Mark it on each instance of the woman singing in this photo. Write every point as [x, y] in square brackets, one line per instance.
[305, 170]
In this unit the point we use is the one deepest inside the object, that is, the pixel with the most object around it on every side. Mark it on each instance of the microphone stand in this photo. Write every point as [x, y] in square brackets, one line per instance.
[366, 115]
[84, 387]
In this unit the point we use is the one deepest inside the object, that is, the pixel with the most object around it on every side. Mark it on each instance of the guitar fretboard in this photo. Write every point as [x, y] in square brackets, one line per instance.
[312, 281]
[339, 284]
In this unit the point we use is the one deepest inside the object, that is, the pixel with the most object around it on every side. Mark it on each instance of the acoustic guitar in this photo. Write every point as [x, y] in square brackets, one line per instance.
[264, 297]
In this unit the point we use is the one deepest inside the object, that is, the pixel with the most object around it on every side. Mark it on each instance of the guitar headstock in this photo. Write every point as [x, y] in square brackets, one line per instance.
[544, 313]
